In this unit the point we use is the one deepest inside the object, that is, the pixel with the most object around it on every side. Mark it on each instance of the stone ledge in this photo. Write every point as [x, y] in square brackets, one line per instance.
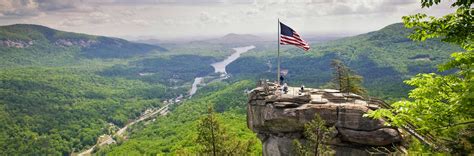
[271, 113]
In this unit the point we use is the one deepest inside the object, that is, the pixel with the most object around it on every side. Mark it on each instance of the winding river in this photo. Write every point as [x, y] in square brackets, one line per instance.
[219, 67]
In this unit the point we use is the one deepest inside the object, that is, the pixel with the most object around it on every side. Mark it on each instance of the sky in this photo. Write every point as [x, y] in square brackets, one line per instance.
[179, 19]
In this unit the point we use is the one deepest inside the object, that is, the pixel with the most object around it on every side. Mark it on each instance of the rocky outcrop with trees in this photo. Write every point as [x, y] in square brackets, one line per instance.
[279, 120]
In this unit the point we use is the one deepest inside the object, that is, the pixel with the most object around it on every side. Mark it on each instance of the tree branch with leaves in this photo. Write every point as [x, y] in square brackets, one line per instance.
[439, 103]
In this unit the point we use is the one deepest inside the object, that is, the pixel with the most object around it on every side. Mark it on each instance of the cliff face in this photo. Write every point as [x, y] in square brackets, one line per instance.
[278, 119]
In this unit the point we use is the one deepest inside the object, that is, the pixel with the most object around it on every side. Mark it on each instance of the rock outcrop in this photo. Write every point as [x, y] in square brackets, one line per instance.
[15, 43]
[279, 118]
[83, 43]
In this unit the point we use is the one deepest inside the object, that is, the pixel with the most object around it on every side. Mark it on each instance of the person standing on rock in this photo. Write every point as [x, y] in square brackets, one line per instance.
[281, 79]
[285, 88]
[301, 90]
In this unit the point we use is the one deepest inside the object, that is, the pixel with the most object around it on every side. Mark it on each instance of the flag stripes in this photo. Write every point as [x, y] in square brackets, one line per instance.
[290, 37]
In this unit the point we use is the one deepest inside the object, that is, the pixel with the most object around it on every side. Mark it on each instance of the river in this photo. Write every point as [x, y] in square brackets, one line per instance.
[219, 67]
[197, 80]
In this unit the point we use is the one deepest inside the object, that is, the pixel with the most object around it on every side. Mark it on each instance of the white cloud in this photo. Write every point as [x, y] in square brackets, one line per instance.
[141, 22]
[180, 18]
[208, 18]
[99, 18]
[72, 22]
[128, 13]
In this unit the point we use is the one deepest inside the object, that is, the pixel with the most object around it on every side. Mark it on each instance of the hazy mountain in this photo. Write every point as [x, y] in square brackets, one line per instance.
[235, 39]
[150, 41]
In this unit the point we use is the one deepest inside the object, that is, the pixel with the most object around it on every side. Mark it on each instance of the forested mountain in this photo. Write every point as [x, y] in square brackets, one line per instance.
[59, 110]
[384, 58]
[391, 47]
[59, 91]
[24, 44]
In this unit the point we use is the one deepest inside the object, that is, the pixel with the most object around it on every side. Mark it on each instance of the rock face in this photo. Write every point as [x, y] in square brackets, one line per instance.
[278, 119]
[83, 43]
[15, 43]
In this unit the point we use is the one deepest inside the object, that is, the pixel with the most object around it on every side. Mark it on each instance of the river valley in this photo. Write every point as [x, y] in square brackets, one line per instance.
[219, 67]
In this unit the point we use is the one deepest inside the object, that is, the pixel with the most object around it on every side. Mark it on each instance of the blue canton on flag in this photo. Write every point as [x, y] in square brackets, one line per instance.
[289, 36]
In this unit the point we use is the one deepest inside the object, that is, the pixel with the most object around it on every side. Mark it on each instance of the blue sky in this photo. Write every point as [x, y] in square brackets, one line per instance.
[175, 19]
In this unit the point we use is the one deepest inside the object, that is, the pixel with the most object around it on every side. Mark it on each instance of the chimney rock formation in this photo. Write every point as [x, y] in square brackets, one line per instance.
[279, 118]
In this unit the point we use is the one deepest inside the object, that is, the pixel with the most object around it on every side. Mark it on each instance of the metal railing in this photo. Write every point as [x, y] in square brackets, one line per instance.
[426, 139]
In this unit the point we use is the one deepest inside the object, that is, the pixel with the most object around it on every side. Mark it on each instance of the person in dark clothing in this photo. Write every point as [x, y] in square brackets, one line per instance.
[281, 79]
[285, 88]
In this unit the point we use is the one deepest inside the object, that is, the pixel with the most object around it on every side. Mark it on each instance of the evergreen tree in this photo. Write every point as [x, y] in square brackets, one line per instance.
[340, 70]
[215, 141]
[346, 79]
[210, 134]
[317, 135]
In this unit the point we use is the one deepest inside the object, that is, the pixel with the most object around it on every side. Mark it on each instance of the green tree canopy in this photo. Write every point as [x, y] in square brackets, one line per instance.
[441, 105]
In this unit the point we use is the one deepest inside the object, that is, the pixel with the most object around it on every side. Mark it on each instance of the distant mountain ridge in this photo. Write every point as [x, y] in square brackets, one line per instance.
[389, 47]
[235, 39]
[28, 37]
[384, 58]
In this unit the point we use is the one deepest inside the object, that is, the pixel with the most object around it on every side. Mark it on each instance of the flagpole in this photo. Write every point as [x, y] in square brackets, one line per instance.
[278, 59]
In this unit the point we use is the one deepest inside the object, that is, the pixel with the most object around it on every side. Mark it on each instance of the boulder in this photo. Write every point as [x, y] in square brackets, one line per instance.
[379, 137]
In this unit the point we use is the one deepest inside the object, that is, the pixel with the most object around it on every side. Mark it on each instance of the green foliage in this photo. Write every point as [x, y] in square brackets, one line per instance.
[441, 105]
[214, 140]
[59, 110]
[347, 81]
[176, 132]
[211, 136]
[57, 98]
[317, 135]
[454, 28]
[172, 71]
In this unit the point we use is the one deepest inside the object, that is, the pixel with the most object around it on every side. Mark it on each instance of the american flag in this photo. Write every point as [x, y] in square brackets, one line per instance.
[289, 36]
